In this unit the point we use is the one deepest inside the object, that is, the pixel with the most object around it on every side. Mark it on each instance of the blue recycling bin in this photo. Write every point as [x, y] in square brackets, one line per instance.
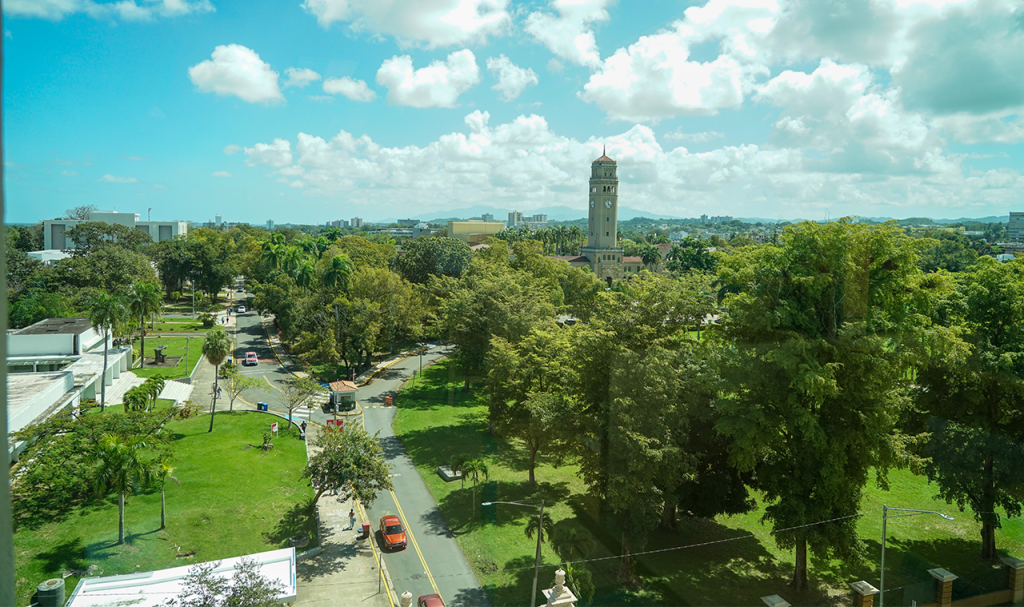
[261, 407]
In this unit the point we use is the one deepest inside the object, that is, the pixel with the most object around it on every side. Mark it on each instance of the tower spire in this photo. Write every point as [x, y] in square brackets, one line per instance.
[604, 150]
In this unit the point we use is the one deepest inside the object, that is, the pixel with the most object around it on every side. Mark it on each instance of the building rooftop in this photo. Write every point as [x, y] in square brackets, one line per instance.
[604, 157]
[57, 326]
[343, 386]
[632, 259]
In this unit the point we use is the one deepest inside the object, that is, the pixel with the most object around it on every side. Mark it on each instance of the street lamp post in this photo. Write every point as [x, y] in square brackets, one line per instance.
[540, 531]
[885, 517]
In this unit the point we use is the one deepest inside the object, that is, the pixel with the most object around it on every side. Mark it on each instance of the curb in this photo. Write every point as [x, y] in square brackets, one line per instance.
[381, 565]
[388, 365]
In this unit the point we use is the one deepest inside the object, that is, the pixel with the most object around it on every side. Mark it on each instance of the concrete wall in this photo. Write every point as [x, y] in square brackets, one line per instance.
[61, 344]
[474, 232]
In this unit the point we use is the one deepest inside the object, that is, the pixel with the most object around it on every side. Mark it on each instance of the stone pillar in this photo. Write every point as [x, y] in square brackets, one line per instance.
[1016, 577]
[863, 594]
[774, 601]
[943, 586]
[560, 595]
[406, 599]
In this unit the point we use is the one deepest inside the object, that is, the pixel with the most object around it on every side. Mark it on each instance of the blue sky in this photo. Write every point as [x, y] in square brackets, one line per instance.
[328, 109]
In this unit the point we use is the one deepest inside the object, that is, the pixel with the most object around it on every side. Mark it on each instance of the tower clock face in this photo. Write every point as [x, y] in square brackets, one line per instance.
[608, 204]
[591, 204]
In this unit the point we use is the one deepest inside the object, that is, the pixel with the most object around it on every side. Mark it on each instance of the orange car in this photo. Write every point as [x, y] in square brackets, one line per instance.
[392, 531]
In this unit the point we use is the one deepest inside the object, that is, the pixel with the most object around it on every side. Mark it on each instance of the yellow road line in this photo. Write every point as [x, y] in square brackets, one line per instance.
[370, 540]
[415, 544]
[271, 384]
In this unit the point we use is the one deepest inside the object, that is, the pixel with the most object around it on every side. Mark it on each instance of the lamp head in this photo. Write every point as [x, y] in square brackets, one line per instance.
[946, 516]
[486, 504]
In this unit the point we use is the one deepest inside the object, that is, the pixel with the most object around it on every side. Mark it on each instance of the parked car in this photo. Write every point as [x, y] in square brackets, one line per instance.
[392, 531]
[430, 600]
[241, 309]
[251, 360]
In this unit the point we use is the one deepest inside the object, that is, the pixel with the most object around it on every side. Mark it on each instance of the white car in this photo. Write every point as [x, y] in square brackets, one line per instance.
[241, 309]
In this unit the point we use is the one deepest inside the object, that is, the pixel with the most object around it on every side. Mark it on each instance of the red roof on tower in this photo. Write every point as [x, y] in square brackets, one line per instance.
[604, 157]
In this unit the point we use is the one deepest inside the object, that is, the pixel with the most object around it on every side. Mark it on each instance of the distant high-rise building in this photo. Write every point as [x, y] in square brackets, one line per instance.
[1015, 229]
[515, 218]
[357, 222]
[408, 222]
[489, 217]
[270, 225]
[704, 218]
[217, 220]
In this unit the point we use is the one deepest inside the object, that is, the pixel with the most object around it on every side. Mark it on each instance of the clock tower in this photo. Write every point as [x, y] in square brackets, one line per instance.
[602, 234]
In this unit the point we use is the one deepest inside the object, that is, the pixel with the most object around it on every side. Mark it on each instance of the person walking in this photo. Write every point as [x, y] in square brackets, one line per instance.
[352, 519]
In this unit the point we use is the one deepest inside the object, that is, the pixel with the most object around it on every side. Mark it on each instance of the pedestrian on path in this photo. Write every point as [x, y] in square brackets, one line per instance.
[352, 519]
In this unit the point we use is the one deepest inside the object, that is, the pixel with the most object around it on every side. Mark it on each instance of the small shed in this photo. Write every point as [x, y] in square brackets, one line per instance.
[343, 394]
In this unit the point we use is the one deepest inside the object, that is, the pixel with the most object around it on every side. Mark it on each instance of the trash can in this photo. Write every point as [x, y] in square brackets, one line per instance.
[366, 530]
[262, 407]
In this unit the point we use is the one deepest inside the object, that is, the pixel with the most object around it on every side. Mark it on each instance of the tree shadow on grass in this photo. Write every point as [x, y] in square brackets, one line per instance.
[66, 556]
[300, 519]
[439, 445]
[458, 506]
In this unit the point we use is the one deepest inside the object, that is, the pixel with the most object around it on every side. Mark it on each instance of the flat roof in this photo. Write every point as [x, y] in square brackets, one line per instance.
[52, 326]
[153, 588]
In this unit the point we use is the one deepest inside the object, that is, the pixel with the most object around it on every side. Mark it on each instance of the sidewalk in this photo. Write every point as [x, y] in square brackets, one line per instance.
[346, 572]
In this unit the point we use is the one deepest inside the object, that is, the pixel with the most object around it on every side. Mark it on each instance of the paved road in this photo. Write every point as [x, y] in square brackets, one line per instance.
[434, 561]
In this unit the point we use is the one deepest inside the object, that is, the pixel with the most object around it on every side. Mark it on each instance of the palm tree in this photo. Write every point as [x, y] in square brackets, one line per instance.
[338, 272]
[106, 312]
[162, 473]
[474, 469]
[121, 469]
[144, 300]
[305, 274]
[293, 257]
[273, 254]
[216, 348]
[650, 255]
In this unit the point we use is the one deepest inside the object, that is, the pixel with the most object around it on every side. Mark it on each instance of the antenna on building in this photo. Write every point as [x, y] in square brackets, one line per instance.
[604, 150]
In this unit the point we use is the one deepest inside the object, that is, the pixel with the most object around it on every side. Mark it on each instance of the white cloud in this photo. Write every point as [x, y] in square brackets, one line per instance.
[876, 157]
[276, 154]
[512, 79]
[555, 66]
[300, 77]
[108, 178]
[232, 149]
[703, 137]
[67, 173]
[569, 34]
[221, 174]
[435, 22]
[236, 70]
[138, 158]
[126, 10]
[437, 85]
[356, 90]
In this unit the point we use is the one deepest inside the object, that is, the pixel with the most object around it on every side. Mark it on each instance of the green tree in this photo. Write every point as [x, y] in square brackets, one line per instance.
[162, 473]
[106, 312]
[216, 348]
[238, 383]
[971, 388]
[438, 256]
[122, 469]
[202, 587]
[472, 469]
[144, 300]
[299, 391]
[337, 272]
[93, 235]
[650, 255]
[813, 366]
[349, 459]
[950, 252]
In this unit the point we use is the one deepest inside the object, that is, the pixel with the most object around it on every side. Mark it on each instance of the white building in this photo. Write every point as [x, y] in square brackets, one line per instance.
[153, 588]
[1015, 228]
[53, 365]
[49, 257]
[357, 222]
[159, 231]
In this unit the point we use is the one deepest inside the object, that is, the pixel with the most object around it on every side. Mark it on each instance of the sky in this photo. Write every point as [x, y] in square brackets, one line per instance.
[308, 112]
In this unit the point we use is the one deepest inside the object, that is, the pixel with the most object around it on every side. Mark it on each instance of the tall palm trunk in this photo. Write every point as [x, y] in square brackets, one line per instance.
[142, 342]
[103, 376]
[163, 508]
[213, 407]
[120, 521]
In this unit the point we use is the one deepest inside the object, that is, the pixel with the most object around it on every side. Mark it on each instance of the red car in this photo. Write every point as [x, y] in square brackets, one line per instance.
[392, 531]
[430, 600]
[250, 359]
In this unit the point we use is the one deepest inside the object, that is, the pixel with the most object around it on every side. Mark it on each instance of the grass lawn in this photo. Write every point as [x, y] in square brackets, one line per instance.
[231, 501]
[175, 347]
[436, 421]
